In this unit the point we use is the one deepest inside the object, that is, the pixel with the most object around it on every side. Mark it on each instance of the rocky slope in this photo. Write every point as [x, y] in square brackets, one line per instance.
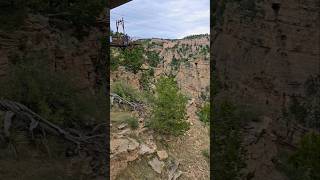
[188, 60]
[264, 53]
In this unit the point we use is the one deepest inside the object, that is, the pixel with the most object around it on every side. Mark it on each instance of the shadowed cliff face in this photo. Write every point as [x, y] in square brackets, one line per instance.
[264, 53]
[40, 35]
[266, 50]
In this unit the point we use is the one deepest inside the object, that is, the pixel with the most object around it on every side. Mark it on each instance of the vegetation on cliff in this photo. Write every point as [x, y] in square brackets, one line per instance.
[51, 94]
[227, 142]
[306, 110]
[57, 111]
[169, 108]
[204, 113]
[304, 162]
[133, 59]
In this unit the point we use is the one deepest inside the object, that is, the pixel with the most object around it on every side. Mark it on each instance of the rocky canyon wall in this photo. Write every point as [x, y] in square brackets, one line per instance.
[265, 50]
[58, 41]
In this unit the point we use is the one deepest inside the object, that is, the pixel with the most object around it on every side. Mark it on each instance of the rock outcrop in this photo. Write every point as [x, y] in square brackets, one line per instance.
[193, 71]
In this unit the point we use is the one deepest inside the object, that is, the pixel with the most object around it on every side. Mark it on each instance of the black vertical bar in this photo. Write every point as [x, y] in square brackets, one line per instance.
[107, 75]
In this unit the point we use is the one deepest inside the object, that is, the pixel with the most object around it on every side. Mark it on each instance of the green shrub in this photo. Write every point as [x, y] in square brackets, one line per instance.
[227, 149]
[153, 58]
[175, 63]
[304, 162]
[195, 36]
[132, 122]
[169, 108]
[133, 59]
[126, 91]
[205, 95]
[115, 60]
[146, 78]
[53, 95]
[204, 113]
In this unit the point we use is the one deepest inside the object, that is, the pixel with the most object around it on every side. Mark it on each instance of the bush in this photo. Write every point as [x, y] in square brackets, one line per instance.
[153, 58]
[204, 113]
[227, 148]
[115, 60]
[175, 63]
[53, 95]
[195, 36]
[306, 158]
[132, 122]
[169, 108]
[126, 91]
[145, 79]
[304, 162]
[133, 59]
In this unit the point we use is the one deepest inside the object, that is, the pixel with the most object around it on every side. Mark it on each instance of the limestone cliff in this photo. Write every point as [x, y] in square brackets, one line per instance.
[264, 51]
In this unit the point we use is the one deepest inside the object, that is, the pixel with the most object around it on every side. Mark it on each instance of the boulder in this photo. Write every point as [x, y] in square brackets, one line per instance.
[144, 149]
[156, 165]
[123, 132]
[133, 144]
[119, 145]
[162, 155]
[122, 126]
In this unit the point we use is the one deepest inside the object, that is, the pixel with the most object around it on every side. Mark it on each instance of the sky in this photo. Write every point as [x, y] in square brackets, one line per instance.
[168, 19]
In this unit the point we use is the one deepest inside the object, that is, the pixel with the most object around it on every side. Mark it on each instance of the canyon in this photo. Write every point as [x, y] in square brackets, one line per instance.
[188, 61]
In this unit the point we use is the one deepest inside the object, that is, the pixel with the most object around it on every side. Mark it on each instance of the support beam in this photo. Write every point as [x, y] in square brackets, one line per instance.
[116, 3]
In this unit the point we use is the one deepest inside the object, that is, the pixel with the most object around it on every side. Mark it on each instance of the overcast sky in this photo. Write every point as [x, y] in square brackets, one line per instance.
[171, 19]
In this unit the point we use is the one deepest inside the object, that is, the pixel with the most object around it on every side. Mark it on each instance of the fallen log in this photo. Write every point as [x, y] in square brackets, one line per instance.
[90, 144]
[116, 98]
[25, 114]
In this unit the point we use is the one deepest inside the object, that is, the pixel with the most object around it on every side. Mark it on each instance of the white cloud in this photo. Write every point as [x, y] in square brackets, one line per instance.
[192, 31]
[164, 18]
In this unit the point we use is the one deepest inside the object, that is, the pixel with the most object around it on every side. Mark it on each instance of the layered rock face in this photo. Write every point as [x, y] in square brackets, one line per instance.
[193, 71]
[265, 52]
[61, 47]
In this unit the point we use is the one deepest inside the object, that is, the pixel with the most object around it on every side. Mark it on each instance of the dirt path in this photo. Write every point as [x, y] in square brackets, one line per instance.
[188, 149]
